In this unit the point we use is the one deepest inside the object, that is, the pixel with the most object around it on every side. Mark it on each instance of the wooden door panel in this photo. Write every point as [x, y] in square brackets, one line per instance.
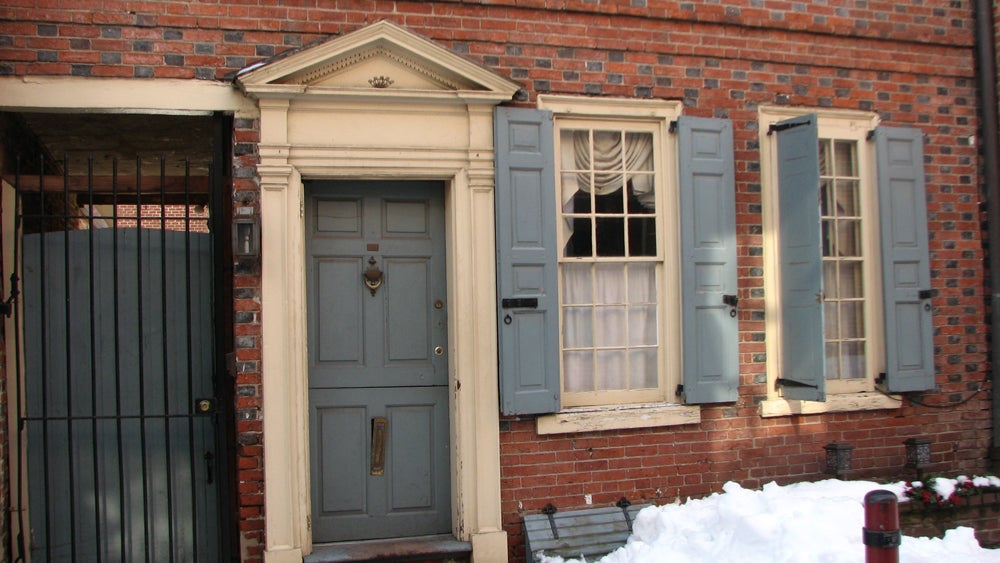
[409, 330]
[338, 297]
[340, 441]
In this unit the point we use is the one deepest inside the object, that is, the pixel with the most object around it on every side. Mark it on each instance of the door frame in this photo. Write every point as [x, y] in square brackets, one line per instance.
[322, 118]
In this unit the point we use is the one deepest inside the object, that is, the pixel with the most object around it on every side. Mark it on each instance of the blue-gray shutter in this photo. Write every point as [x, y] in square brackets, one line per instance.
[800, 312]
[527, 262]
[708, 261]
[906, 275]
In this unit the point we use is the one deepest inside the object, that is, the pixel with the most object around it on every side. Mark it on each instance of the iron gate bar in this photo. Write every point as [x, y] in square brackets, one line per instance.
[93, 342]
[189, 322]
[69, 368]
[45, 401]
[118, 370]
[141, 349]
[163, 327]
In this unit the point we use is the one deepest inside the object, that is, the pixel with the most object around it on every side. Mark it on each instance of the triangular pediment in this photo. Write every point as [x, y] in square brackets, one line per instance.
[379, 58]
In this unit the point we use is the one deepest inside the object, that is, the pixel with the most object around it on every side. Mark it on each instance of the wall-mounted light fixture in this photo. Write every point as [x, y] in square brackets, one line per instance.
[918, 454]
[246, 233]
[838, 459]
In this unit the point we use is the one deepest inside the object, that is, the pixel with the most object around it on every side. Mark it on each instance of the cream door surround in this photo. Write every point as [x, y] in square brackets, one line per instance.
[380, 102]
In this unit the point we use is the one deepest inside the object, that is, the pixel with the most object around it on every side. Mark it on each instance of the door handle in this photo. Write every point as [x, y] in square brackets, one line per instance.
[379, 426]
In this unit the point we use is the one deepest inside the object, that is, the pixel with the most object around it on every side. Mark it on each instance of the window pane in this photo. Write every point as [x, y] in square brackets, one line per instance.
[642, 236]
[848, 238]
[610, 282]
[576, 288]
[852, 319]
[611, 370]
[832, 361]
[639, 152]
[642, 282]
[849, 281]
[643, 369]
[578, 242]
[831, 288]
[607, 153]
[826, 203]
[575, 199]
[610, 326]
[846, 158]
[831, 322]
[853, 361]
[578, 327]
[642, 326]
[825, 157]
[578, 370]
[847, 198]
[610, 236]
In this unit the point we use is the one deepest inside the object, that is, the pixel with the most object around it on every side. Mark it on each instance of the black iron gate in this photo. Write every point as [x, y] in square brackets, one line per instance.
[120, 449]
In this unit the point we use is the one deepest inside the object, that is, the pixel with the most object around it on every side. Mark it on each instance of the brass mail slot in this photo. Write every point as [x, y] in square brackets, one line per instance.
[379, 426]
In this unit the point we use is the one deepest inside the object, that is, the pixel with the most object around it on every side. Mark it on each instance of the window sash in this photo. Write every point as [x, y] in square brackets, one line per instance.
[599, 365]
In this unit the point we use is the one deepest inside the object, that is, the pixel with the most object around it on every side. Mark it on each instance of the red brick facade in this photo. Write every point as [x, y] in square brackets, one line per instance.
[912, 63]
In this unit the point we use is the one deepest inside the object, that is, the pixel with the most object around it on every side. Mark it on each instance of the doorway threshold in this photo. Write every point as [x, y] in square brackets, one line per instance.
[422, 548]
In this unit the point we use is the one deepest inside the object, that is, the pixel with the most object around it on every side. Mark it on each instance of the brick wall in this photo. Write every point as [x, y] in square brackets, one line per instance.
[912, 63]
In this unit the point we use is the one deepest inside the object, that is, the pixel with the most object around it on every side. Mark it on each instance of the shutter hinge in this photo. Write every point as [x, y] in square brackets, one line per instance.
[783, 126]
[926, 293]
[672, 128]
[870, 135]
[680, 390]
[794, 383]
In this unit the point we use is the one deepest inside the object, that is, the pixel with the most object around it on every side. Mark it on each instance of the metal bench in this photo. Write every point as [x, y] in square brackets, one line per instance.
[590, 533]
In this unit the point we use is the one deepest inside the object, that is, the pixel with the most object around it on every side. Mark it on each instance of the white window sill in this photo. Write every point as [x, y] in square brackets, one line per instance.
[846, 402]
[593, 419]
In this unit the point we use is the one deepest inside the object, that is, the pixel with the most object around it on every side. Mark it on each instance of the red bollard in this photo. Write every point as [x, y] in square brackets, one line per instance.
[881, 531]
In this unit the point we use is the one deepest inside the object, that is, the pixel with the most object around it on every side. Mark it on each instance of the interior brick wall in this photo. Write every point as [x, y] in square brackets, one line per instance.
[912, 63]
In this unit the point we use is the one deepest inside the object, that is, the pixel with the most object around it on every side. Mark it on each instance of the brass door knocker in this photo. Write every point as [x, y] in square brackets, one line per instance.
[373, 276]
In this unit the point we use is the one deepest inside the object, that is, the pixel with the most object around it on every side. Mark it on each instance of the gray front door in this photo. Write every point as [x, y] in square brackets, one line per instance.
[378, 370]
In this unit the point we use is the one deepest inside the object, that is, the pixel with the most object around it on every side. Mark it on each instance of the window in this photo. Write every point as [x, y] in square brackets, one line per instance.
[846, 218]
[846, 265]
[616, 258]
[610, 262]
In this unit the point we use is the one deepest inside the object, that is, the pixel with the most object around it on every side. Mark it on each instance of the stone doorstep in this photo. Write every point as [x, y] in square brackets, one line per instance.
[423, 548]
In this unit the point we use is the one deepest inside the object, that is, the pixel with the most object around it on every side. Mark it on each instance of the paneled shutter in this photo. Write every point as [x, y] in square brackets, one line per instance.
[800, 312]
[708, 261]
[906, 275]
[527, 265]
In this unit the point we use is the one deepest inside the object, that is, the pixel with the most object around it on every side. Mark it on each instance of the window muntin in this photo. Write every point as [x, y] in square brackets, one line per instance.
[610, 263]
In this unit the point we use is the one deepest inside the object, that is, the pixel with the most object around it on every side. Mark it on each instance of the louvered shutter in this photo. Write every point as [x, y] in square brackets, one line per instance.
[708, 262]
[527, 274]
[800, 313]
[906, 278]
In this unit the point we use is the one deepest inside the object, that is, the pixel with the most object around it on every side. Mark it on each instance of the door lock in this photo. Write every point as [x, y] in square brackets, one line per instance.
[204, 406]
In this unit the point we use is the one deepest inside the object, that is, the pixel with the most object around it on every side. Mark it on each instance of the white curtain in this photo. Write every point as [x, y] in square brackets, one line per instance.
[609, 176]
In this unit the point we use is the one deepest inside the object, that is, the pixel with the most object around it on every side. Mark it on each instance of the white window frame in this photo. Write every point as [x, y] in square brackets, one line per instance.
[663, 408]
[842, 395]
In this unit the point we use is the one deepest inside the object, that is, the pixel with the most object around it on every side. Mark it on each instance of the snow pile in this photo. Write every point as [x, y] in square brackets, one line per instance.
[801, 523]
